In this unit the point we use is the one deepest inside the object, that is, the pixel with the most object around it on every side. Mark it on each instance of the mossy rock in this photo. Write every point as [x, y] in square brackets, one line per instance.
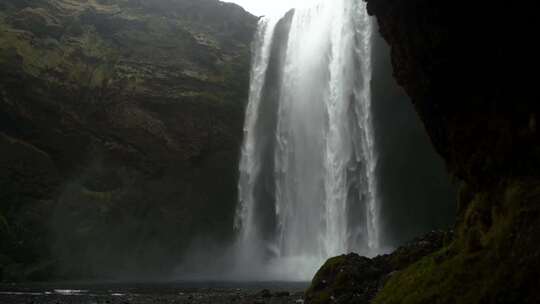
[340, 279]
[37, 21]
[493, 260]
[355, 279]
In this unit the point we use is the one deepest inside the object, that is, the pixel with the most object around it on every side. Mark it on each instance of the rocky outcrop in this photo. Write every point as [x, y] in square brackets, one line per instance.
[355, 279]
[466, 85]
[468, 80]
[116, 117]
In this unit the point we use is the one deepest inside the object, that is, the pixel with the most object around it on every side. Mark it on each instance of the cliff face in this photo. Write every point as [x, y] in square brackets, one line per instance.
[116, 117]
[467, 76]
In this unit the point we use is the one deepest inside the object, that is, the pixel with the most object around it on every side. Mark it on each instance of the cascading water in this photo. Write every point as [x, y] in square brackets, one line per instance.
[307, 175]
[250, 161]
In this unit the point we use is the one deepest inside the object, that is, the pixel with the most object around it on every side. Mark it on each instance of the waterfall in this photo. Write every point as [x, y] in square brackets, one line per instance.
[308, 187]
[250, 158]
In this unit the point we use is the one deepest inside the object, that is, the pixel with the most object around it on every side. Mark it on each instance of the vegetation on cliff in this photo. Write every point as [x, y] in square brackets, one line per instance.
[116, 116]
[495, 258]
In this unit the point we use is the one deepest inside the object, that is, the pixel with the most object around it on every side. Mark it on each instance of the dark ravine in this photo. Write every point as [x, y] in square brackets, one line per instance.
[470, 83]
[116, 117]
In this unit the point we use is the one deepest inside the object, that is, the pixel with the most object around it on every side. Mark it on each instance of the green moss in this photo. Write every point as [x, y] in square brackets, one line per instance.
[98, 196]
[423, 282]
[486, 262]
[337, 279]
[321, 297]
[330, 266]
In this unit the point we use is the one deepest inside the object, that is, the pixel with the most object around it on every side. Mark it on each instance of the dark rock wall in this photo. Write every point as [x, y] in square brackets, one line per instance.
[120, 124]
[415, 190]
[467, 70]
[468, 81]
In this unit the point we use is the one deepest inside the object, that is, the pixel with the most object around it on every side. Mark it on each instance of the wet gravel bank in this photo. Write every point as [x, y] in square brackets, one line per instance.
[15, 294]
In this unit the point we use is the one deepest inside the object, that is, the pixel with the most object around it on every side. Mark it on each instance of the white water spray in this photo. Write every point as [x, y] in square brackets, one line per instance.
[321, 146]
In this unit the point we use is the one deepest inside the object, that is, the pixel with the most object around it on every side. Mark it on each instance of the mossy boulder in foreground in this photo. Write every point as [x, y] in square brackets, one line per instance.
[355, 279]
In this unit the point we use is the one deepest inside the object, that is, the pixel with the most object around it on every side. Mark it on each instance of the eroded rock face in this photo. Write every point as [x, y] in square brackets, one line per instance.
[468, 79]
[130, 111]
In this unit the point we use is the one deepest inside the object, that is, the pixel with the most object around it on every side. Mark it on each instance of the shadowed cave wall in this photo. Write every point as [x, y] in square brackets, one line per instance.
[414, 187]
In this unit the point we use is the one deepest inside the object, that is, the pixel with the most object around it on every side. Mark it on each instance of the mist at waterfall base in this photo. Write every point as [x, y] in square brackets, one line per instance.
[334, 158]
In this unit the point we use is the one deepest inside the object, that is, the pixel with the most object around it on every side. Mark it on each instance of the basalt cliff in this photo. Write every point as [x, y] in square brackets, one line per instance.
[116, 118]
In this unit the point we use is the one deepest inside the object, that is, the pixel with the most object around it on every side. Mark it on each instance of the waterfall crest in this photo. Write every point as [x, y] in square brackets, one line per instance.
[307, 188]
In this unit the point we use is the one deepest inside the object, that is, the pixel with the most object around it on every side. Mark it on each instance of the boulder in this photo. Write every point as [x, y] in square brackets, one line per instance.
[354, 279]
